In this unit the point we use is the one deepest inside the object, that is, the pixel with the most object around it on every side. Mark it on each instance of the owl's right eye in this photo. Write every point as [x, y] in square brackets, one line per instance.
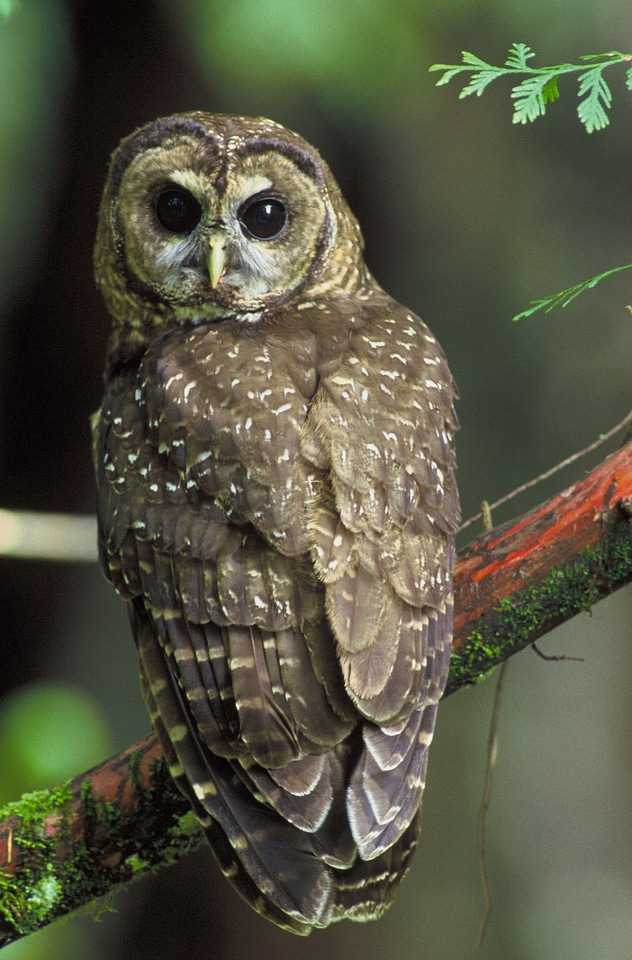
[177, 210]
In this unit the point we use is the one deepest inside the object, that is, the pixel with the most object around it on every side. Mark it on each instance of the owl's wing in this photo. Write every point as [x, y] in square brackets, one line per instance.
[199, 530]
[223, 621]
[383, 533]
[270, 862]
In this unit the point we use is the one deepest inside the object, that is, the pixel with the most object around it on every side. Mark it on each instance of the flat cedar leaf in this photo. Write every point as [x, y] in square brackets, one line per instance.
[529, 98]
[540, 85]
[612, 56]
[597, 99]
[449, 72]
[474, 61]
[478, 83]
[550, 92]
[469, 61]
[519, 53]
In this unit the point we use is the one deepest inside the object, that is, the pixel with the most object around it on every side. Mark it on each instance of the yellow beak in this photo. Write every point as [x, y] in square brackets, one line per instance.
[216, 258]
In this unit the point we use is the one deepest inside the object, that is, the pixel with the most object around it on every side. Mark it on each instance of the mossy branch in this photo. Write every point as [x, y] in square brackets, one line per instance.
[517, 582]
[61, 849]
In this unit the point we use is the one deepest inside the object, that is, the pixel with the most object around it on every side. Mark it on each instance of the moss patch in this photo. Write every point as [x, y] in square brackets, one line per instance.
[34, 894]
[62, 868]
[525, 615]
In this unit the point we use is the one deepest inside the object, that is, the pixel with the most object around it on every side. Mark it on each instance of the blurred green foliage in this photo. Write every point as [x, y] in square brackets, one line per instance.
[58, 942]
[7, 7]
[48, 733]
[35, 70]
[359, 54]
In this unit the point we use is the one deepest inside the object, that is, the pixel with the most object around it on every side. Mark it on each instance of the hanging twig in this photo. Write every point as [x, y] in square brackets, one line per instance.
[549, 473]
[492, 754]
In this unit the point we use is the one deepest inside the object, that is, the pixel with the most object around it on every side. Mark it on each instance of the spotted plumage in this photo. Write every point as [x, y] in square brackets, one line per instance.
[277, 505]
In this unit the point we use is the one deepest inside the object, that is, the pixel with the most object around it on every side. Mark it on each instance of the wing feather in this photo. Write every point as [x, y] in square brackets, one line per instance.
[275, 855]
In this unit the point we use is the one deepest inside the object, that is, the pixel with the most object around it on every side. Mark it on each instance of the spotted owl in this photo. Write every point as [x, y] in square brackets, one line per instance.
[277, 505]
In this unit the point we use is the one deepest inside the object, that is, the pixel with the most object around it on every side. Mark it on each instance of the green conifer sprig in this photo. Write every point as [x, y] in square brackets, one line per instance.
[540, 84]
[564, 297]
[531, 96]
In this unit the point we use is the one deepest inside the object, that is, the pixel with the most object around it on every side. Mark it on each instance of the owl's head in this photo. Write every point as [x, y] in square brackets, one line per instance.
[209, 216]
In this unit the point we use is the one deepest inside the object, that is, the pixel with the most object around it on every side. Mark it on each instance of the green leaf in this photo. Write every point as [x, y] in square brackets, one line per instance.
[450, 71]
[564, 297]
[479, 80]
[540, 84]
[7, 7]
[597, 99]
[612, 56]
[478, 83]
[518, 56]
[550, 92]
[472, 60]
[529, 98]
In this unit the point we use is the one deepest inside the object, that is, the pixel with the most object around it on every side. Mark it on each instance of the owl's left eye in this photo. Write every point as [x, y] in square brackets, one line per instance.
[263, 218]
[177, 210]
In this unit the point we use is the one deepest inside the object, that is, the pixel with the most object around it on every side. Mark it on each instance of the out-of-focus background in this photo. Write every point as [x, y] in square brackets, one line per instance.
[466, 219]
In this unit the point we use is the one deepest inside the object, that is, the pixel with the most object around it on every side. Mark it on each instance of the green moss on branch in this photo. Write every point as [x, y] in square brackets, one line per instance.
[66, 847]
[525, 615]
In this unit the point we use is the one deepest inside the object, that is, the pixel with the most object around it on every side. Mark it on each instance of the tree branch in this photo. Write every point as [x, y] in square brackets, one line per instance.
[522, 579]
[60, 849]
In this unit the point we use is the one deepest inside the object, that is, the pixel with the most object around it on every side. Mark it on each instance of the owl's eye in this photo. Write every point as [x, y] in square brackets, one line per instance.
[177, 210]
[263, 218]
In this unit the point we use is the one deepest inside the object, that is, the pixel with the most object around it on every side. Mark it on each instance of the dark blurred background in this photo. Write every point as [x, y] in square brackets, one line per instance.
[466, 219]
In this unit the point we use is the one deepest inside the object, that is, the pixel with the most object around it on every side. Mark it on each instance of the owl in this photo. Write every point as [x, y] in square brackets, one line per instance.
[277, 506]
